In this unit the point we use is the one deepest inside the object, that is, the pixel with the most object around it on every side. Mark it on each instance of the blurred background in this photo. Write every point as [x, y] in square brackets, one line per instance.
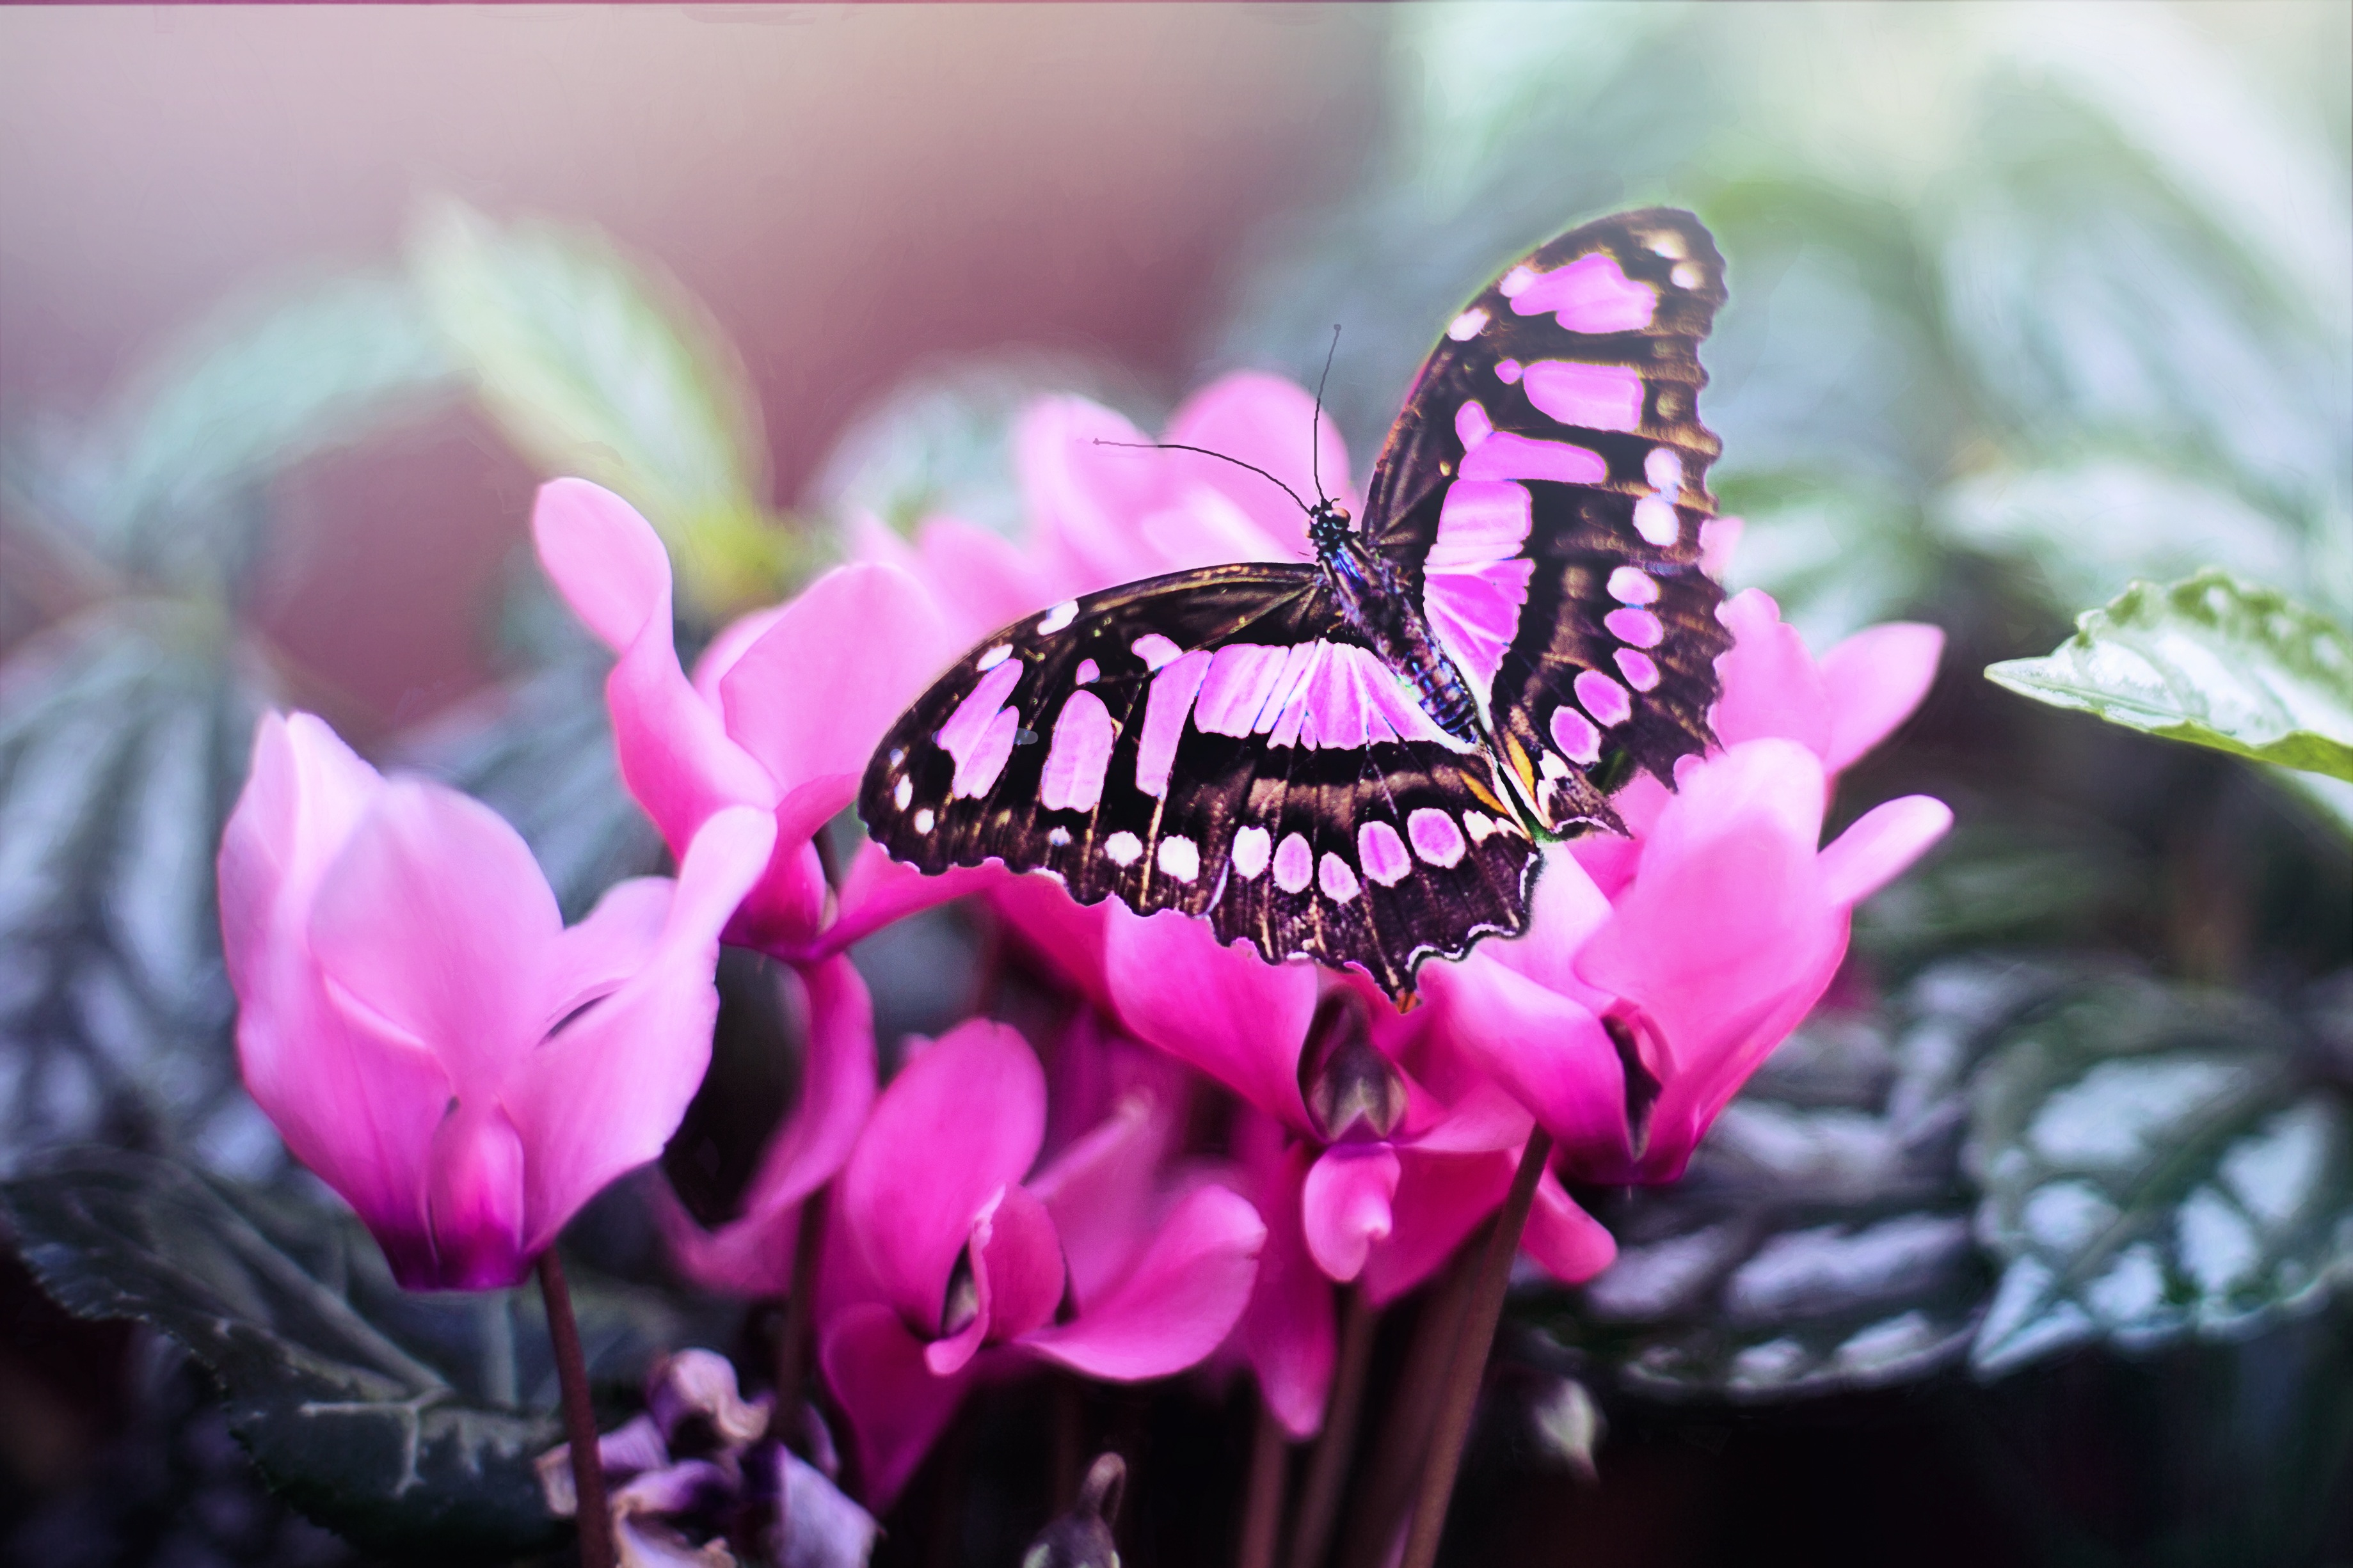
[297, 307]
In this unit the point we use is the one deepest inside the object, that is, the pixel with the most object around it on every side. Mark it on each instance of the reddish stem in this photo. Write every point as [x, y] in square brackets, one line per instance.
[1470, 1368]
[1327, 1471]
[800, 1318]
[1263, 1514]
[594, 1518]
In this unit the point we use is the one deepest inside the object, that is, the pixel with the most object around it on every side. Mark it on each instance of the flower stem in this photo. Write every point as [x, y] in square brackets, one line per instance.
[1470, 1367]
[801, 1319]
[579, 1420]
[1262, 1514]
[1327, 1471]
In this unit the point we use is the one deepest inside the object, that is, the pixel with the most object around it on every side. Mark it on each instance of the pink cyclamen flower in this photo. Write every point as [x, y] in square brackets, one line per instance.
[424, 1030]
[781, 714]
[949, 1256]
[1097, 514]
[1371, 1161]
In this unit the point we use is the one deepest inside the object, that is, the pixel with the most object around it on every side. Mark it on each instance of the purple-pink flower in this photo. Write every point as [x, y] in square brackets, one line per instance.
[783, 709]
[427, 1034]
[1659, 969]
[948, 1254]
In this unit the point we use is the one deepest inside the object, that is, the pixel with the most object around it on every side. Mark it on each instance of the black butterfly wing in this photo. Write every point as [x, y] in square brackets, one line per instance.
[1218, 742]
[1544, 491]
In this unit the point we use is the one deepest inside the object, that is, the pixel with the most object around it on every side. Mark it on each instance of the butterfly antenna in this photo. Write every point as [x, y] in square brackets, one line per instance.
[1237, 462]
[1315, 427]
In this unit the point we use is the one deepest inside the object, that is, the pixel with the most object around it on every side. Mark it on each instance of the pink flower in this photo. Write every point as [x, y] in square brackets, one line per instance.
[782, 712]
[1659, 970]
[1098, 515]
[1371, 1160]
[425, 1032]
[943, 1261]
[751, 1255]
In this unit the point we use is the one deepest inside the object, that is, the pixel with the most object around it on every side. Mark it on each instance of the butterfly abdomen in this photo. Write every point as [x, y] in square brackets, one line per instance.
[1376, 603]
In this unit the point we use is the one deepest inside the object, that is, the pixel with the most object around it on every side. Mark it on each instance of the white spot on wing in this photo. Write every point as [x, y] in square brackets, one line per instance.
[1294, 862]
[1061, 616]
[1516, 282]
[904, 794]
[1337, 881]
[1180, 857]
[924, 819]
[1252, 849]
[1465, 327]
[1685, 276]
[1088, 671]
[993, 657]
[1059, 837]
[1122, 849]
[1153, 649]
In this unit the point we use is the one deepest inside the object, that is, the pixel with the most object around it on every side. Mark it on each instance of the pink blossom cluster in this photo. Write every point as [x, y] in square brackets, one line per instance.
[467, 1071]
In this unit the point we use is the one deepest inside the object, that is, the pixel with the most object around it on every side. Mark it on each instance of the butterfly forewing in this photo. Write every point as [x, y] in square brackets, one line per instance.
[1217, 741]
[1544, 488]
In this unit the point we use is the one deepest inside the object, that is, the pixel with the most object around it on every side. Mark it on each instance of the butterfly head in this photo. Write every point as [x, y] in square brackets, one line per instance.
[1328, 522]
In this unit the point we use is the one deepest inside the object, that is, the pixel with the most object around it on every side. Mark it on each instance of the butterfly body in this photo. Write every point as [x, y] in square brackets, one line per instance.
[1354, 759]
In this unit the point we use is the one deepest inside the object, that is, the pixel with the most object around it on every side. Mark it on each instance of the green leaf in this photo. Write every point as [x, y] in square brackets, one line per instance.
[2157, 1162]
[407, 1423]
[123, 741]
[1821, 1240]
[599, 365]
[163, 484]
[2210, 660]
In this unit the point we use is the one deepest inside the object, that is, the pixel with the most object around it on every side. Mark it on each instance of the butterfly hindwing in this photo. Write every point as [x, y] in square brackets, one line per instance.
[1217, 741]
[1544, 488]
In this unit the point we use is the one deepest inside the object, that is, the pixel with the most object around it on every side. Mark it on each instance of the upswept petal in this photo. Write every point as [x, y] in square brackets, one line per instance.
[963, 1118]
[672, 748]
[436, 917]
[1345, 1205]
[896, 1406]
[720, 657]
[878, 890]
[1548, 1050]
[1771, 687]
[611, 944]
[1100, 1192]
[980, 579]
[1086, 486]
[1287, 1333]
[1566, 907]
[1568, 1243]
[1238, 1019]
[1877, 847]
[604, 1093]
[1440, 1199]
[1872, 681]
[1183, 1297]
[604, 558]
[811, 698]
[1265, 421]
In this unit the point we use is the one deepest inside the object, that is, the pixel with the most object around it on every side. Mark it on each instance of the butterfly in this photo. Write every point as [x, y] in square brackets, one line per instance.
[1356, 759]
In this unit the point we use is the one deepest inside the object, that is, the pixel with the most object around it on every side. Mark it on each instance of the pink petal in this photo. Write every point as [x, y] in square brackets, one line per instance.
[1719, 541]
[1345, 1205]
[605, 1092]
[1568, 1243]
[1549, 1051]
[1873, 681]
[752, 1254]
[980, 579]
[1238, 1018]
[436, 918]
[878, 890]
[1262, 420]
[733, 640]
[1184, 1295]
[1017, 1275]
[1568, 907]
[896, 1407]
[475, 1201]
[811, 698]
[606, 560]
[1877, 847]
[1084, 498]
[1066, 935]
[673, 751]
[611, 944]
[1770, 685]
[1100, 1192]
[1440, 1199]
[962, 1120]
[1287, 1332]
